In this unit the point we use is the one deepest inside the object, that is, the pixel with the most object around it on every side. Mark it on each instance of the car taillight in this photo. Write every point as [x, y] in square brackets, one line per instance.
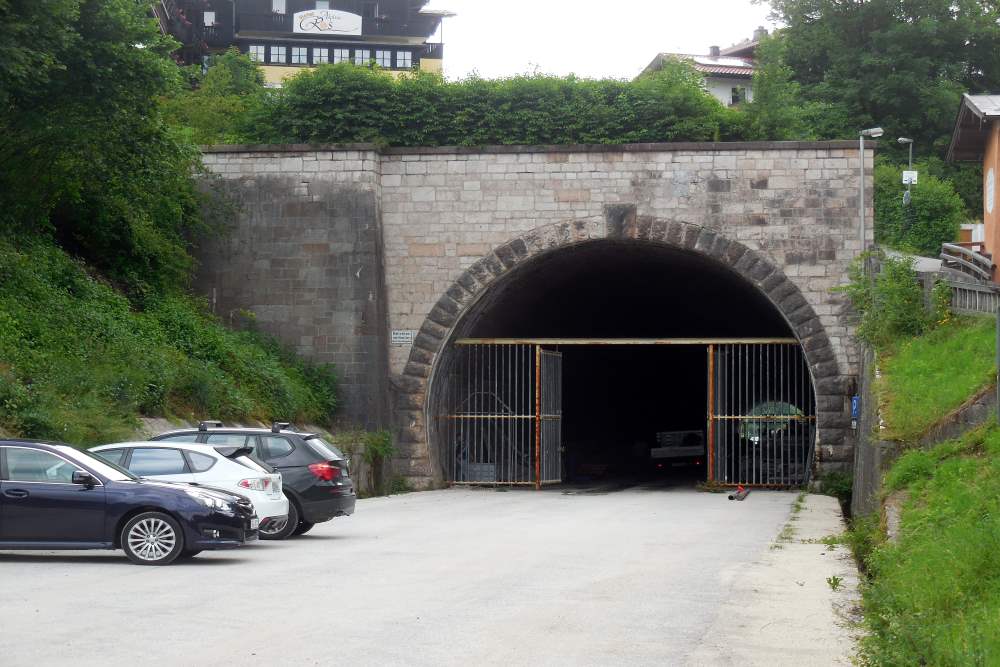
[257, 484]
[325, 471]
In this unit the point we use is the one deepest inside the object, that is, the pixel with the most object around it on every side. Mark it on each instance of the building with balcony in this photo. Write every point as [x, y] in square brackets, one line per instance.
[284, 36]
[728, 72]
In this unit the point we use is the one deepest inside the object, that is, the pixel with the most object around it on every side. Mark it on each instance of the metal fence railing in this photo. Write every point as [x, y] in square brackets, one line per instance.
[977, 266]
[973, 298]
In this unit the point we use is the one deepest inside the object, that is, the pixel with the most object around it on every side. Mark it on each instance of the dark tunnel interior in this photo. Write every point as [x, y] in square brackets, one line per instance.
[616, 399]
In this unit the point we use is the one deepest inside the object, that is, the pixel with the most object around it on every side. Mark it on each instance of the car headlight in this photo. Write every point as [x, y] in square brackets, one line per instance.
[211, 502]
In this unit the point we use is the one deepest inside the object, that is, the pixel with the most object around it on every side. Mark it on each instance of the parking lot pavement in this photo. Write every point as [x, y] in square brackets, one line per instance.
[637, 576]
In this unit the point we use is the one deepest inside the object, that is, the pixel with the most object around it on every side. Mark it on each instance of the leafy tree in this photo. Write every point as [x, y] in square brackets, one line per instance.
[212, 110]
[33, 37]
[901, 64]
[933, 216]
[778, 110]
[87, 158]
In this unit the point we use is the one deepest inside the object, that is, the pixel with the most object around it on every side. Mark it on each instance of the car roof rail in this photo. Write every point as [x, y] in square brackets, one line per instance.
[278, 427]
[205, 425]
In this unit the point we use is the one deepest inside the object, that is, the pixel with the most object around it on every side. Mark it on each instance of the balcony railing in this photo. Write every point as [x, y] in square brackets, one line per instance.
[264, 22]
[217, 35]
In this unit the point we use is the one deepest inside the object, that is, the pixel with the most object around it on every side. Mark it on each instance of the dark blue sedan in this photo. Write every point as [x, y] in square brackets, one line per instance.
[54, 496]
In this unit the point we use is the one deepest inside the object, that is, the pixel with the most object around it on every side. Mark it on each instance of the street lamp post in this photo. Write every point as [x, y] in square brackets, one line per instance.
[874, 133]
[905, 141]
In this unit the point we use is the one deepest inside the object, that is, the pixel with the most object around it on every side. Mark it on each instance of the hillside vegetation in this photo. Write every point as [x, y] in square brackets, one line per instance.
[99, 208]
[79, 363]
[933, 598]
[929, 376]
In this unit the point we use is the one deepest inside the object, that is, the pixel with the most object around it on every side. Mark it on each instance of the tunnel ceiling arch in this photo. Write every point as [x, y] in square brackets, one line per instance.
[623, 289]
[465, 308]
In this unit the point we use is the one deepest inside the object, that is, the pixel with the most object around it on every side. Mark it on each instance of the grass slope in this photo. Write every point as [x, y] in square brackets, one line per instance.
[78, 363]
[934, 597]
[927, 377]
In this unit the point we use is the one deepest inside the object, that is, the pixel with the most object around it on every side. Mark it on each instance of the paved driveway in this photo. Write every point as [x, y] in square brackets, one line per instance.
[447, 577]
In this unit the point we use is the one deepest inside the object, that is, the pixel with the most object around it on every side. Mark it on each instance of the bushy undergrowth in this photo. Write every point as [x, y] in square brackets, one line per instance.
[933, 598]
[344, 103]
[78, 363]
[926, 377]
[891, 303]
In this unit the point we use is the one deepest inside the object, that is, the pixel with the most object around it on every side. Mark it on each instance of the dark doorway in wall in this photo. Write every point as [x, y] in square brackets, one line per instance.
[618, 400]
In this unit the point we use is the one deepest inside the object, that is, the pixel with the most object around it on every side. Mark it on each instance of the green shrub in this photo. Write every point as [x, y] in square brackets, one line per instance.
[891, 303]
[934, 597]
[933, 217]
[344, 103]
[80, 364]
[839, 485]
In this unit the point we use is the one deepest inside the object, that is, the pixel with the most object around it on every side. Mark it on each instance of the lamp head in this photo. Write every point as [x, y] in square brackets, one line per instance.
[904, 140]
[874, 132]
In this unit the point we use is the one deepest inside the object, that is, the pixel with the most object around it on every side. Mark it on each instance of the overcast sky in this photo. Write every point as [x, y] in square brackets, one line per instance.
[611, 38]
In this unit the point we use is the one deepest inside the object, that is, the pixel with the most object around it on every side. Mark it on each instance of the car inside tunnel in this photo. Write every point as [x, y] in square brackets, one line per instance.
[598, 306]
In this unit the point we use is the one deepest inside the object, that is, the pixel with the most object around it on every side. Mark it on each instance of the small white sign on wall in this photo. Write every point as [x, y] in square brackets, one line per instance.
[991, 190]
[402, 336]
[327, 21]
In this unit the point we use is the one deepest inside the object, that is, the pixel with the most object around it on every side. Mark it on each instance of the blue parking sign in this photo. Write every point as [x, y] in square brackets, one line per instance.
[855, 407]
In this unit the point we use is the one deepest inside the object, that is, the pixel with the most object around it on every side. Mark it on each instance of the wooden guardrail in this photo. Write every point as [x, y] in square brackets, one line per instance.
[971, 263]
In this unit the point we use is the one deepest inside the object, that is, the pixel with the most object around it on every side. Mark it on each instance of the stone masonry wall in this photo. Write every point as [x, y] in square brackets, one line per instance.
[305, 255]
[443, 210]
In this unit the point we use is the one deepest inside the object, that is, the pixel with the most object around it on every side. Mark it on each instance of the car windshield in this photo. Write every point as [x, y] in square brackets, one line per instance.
[100, 466]
[325, 449]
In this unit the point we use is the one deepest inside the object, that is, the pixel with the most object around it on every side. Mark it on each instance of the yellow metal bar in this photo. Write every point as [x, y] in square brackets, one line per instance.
[626, 341]
[766, 418]
[711, 407]
[490, 416]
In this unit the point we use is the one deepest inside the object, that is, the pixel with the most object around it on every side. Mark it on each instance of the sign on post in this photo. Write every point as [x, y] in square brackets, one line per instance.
[909, 178]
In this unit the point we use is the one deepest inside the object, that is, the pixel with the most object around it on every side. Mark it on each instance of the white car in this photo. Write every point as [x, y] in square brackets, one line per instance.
[223, 467]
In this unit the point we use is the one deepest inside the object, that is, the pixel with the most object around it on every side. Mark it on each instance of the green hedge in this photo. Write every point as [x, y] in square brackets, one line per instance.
[78, 363]
[345, 103]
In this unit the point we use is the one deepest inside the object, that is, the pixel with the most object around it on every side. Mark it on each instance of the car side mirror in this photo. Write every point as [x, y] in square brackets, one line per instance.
[85, 478]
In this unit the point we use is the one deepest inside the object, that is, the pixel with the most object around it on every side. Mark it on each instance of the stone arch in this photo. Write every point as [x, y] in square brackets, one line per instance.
[413, 388]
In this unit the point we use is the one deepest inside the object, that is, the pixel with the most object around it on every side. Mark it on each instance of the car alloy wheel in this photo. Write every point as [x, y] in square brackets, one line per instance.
[274, 532]
[152, 538]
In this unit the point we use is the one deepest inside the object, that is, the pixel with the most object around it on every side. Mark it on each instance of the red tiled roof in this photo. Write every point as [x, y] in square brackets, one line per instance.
[728, 71]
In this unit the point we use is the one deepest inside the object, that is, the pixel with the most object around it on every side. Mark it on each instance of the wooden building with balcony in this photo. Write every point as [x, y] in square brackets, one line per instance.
[284, 36]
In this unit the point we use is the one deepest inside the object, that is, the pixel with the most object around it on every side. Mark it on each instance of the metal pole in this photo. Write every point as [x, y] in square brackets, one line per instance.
[861, 191]
[538, 417]
[711, 421]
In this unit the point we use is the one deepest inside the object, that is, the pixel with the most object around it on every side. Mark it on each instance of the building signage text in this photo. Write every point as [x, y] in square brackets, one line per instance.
[327, 22]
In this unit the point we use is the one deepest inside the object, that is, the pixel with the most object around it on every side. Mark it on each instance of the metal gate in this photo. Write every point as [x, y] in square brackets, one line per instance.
[504, 417]
[761, 414]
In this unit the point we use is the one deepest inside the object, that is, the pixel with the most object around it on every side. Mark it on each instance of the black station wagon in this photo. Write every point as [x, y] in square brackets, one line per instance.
[315, 474]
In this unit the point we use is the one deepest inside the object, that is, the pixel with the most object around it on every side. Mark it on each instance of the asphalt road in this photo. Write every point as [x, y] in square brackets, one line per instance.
[637, 576]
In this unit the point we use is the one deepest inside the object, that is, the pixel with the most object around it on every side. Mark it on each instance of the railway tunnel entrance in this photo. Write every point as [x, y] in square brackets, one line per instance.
[622, 359]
